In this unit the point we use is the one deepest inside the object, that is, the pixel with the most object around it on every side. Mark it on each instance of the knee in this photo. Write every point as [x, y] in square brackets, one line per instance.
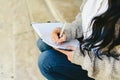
[45, 62]
[50, 59]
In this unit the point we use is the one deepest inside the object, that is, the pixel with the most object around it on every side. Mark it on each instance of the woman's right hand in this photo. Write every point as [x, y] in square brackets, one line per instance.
[55, 36]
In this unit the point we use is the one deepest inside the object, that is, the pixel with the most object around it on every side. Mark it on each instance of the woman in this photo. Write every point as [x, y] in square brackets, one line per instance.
[98, 30]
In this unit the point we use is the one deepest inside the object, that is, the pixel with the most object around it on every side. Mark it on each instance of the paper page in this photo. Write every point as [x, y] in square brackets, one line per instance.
[44, 31]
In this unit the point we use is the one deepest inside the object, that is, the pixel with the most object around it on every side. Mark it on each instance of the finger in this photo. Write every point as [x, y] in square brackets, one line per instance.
[54, 37]
[54, 34]
[62, 39]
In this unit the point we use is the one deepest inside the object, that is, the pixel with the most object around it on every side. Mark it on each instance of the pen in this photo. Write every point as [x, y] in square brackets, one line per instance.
[61, 33]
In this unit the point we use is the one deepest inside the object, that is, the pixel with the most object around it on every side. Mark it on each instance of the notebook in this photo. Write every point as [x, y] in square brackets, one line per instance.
[44, 31]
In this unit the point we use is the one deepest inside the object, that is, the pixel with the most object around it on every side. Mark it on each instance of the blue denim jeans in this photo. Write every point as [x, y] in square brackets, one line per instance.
[55, 65]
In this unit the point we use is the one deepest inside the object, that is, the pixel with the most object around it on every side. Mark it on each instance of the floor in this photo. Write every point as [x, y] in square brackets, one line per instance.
[18, 51]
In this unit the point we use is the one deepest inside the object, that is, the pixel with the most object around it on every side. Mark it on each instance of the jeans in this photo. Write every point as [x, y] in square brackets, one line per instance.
[54, 65]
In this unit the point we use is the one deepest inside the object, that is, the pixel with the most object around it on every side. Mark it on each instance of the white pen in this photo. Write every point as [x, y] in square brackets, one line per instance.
[61, 33]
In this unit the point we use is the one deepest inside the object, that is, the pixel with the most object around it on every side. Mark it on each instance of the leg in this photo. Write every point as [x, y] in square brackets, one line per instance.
[42, 46]
[55, 66]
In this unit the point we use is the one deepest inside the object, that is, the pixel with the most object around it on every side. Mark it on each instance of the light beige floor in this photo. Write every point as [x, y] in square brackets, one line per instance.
[18, 51]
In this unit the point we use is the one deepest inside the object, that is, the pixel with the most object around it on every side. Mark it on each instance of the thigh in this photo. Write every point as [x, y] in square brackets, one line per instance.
[60, 68]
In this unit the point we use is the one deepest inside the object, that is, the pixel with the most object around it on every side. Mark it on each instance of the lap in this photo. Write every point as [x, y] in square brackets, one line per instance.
[54, 62]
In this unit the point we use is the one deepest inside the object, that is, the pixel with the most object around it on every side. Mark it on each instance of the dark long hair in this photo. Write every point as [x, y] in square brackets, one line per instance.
[104, 31]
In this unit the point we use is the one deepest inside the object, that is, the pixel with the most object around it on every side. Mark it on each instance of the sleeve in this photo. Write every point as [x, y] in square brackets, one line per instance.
[74, 30]
[96, 67]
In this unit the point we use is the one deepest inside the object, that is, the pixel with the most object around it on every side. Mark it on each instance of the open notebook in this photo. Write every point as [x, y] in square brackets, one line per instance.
[44, 31]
